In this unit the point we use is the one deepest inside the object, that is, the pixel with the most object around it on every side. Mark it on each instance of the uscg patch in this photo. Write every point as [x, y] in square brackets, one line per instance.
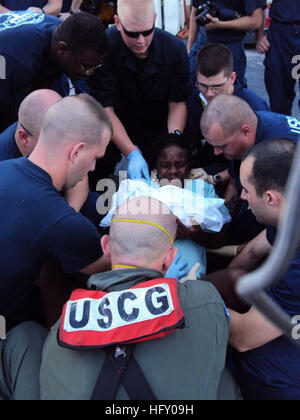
[95, 319]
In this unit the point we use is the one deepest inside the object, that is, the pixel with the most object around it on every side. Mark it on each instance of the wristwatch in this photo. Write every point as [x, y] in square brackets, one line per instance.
[177, 132]
[218, 179]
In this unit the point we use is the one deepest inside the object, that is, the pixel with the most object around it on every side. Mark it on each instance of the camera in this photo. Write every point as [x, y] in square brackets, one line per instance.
[209, 7]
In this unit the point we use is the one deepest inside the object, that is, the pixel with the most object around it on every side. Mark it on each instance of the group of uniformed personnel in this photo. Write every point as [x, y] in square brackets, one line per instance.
[140, 331]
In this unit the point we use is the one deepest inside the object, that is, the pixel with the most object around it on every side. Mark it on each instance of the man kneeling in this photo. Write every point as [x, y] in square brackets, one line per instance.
[148, 336]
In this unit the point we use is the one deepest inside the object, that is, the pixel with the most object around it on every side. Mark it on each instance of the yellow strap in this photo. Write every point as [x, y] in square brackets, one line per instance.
[122, 266]
[143, 222]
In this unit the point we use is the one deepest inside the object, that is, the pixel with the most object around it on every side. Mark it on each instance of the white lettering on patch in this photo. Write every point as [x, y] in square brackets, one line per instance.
[118, 309]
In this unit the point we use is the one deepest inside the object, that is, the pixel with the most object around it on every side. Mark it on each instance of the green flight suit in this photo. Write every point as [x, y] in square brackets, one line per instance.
[20, 360]
[186, 365]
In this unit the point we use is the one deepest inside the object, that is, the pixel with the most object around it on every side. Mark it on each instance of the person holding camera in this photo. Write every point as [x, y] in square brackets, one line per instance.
[226, 22]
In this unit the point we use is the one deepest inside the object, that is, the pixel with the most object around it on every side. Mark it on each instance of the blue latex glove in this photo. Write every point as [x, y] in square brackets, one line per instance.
[178, 269]
[137, 166]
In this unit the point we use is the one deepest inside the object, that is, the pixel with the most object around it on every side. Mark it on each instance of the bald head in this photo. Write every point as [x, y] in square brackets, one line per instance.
[229, 112]
[150, 234]
[74, 119]
[137, 10]
[34, 108]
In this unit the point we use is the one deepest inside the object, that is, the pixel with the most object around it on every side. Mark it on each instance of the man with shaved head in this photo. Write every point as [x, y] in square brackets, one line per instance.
[21, 137]
[37, 224]
[185, 362]
[143, 85]
[232, 128]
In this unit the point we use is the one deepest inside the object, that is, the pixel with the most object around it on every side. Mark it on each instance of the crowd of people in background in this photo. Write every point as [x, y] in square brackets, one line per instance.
[90, 86]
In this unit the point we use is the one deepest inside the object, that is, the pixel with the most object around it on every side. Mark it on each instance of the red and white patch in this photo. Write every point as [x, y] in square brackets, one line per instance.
[95, 319]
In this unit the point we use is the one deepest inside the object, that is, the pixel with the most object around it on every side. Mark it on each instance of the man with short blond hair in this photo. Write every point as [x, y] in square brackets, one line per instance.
[143, 85]
[38, 225]
[21, 137]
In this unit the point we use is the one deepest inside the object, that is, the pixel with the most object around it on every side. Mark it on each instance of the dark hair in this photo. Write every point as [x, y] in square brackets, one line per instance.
[81, 32]
[213, 59]
[163, 142]
[272, 164]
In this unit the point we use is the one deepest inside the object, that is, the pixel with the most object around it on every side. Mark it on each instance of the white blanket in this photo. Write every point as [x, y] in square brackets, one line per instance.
[196, 204]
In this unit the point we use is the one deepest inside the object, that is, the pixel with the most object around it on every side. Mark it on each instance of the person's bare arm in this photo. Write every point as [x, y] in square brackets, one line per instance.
[245, 23]
[120, 136]
[254, 253]
[100, 266]
[193, 30]
[53, 7]
[3, 9]
[262, 43]
[77, 196]
[75, 6]
[251, 330]
[177, 117]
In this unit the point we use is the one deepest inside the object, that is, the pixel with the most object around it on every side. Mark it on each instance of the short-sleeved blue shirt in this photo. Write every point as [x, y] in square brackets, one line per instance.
[243, 7]
[22, 4]
[37, 225]
[8, 146]
[273, 370]
[196, 107]
[285, 11]
[25, 39]
[270, 126]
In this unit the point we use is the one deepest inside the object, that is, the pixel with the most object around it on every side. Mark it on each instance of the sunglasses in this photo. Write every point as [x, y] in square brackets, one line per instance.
[84, 69]
[137, 34]
[27, 131]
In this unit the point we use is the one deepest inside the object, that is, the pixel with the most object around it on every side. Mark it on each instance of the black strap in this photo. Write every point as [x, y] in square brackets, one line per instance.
[123, 369]
[136, 384]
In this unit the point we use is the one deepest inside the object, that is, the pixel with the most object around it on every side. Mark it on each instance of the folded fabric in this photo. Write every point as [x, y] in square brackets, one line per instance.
[196, 204]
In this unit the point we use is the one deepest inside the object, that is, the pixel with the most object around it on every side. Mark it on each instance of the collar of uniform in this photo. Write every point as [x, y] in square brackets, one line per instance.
[116, 280]
[154, 57]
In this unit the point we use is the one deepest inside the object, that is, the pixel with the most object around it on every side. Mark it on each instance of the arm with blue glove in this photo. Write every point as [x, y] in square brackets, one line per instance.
[137, 166]
[178, 269]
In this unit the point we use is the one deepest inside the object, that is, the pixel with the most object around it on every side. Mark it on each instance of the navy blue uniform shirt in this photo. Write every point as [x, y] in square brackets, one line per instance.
[140, 90]
[273, 370]
[196, 107]
[22, 4]
[37, 225]
[243, 7]
[270, 126]
[285, 11]
[25, 39]
[8, 146]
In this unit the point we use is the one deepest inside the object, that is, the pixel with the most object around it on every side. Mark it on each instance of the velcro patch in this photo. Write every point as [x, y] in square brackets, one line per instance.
[95, 319]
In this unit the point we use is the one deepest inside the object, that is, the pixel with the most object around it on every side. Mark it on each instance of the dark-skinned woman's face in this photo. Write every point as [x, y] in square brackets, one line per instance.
[173, 163]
